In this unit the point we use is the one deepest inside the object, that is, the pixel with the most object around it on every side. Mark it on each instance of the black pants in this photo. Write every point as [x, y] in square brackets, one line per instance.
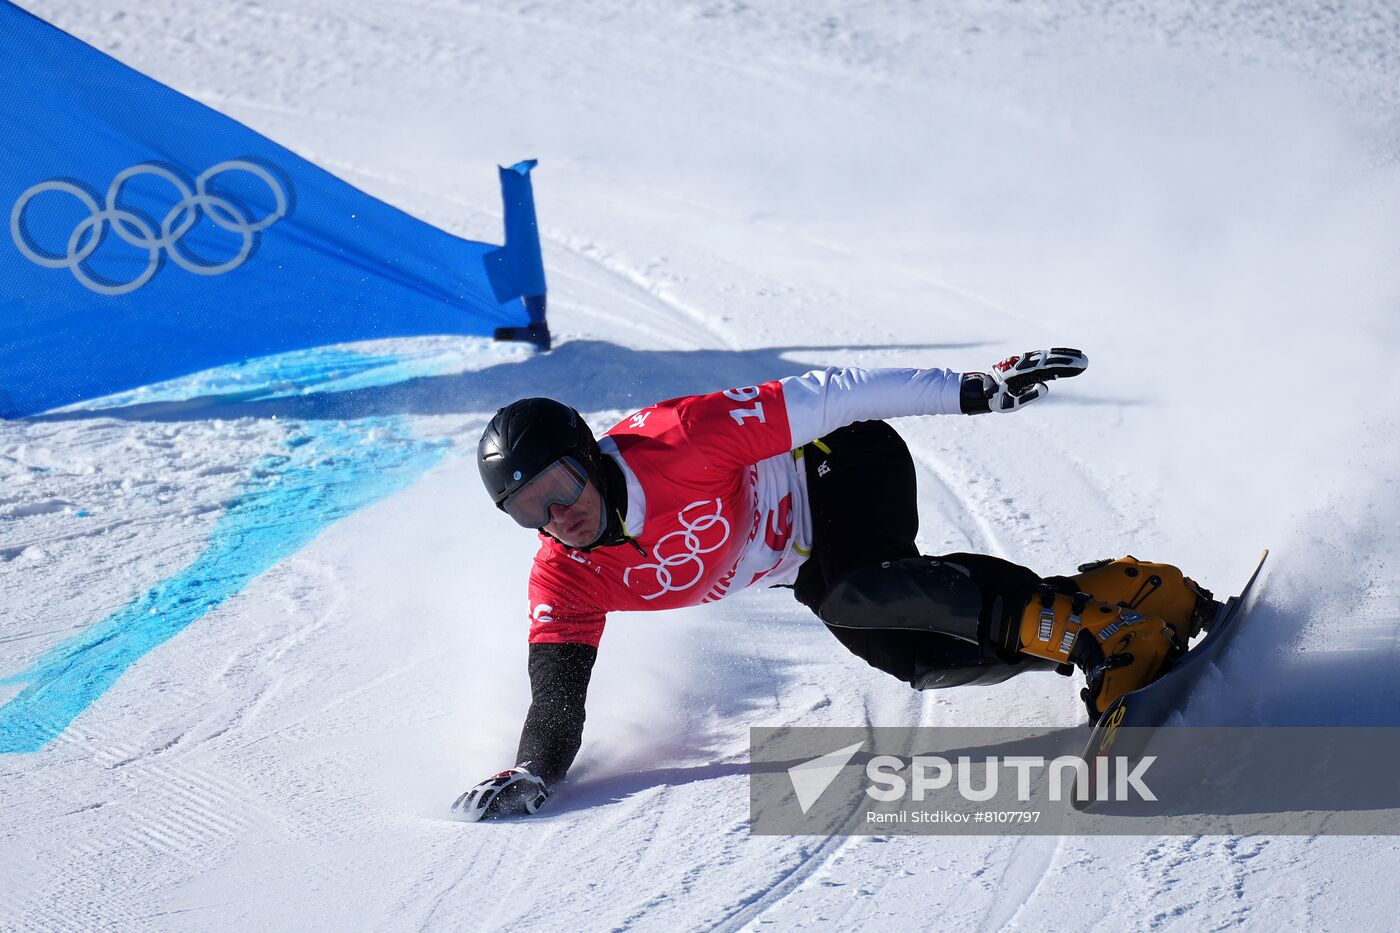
[863, 495]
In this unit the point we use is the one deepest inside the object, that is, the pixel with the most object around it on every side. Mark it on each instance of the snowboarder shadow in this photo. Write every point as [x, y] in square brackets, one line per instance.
[1206, 780]
[1225, 780]
[587, 792]
[1267, 779]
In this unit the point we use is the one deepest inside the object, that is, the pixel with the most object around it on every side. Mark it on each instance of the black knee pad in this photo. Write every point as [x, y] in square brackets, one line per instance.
[917, 593]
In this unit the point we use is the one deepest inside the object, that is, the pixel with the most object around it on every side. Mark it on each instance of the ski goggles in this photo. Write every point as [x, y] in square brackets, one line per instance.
[560, 483]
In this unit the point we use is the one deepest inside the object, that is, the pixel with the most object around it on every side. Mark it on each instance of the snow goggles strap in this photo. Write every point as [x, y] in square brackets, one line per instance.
[560, 483]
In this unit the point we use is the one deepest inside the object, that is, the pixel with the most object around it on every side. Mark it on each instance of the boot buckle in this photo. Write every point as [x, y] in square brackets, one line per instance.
[1078, 604]
[1071, 630]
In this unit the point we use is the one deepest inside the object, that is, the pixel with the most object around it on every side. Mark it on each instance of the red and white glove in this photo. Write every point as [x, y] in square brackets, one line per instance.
[1019, 380]
[508, 793]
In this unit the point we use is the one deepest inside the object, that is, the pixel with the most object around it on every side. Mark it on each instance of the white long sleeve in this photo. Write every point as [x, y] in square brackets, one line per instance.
[821, 401]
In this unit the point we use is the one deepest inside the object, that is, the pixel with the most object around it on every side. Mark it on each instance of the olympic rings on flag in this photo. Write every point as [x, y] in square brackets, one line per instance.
[137, 231]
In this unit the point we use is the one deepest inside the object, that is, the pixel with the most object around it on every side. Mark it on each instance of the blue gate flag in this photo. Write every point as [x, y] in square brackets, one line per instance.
[151, 237]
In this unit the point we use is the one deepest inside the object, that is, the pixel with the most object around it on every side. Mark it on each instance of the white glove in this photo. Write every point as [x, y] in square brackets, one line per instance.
[1019, 380]
[505, 794]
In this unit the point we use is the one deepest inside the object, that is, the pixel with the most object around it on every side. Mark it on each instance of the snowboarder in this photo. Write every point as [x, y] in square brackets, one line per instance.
[797, 483]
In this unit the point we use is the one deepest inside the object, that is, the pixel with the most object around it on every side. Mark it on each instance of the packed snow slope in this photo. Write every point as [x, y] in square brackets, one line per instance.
[281, 628]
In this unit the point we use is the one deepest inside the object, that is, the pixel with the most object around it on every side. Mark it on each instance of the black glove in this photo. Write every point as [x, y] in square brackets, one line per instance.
[1019, 380]
[506, 794]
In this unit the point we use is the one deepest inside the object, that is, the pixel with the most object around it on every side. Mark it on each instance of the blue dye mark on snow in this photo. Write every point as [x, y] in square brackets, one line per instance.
[329, 472]
[322, 369]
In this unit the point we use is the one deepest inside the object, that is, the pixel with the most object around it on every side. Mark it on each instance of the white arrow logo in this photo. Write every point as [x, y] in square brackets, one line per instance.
[811, 778]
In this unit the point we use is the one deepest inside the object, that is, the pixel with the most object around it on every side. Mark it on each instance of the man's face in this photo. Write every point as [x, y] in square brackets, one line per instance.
[577, 525]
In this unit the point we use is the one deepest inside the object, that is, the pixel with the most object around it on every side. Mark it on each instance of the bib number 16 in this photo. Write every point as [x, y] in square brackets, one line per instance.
[746, 394]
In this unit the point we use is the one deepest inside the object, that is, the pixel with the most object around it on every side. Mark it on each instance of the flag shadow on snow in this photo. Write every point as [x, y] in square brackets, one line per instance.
[590, 375]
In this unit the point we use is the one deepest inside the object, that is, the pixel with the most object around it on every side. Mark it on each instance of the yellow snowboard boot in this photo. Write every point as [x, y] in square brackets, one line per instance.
[1151, 589]
[1117, 648]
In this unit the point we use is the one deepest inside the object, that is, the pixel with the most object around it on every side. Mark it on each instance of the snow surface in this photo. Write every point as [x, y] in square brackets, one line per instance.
[293, 629]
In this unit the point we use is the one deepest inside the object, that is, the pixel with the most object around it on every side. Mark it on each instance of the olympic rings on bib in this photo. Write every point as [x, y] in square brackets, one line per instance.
[135, 230]
[689, 534]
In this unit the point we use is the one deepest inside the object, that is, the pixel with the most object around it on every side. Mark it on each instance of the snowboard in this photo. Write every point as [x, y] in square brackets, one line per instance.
[1149, 707]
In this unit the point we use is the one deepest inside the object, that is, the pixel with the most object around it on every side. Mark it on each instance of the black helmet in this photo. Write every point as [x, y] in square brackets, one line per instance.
[529, 435]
